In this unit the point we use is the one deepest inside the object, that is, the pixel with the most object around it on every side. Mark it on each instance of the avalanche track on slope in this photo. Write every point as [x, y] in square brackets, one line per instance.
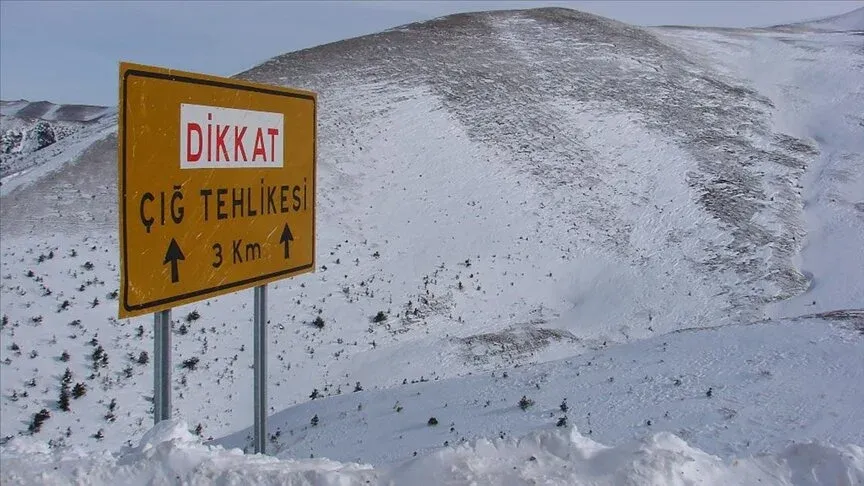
[818, 98]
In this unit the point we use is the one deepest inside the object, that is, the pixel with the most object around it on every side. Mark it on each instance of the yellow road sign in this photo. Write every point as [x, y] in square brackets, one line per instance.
[216, 186]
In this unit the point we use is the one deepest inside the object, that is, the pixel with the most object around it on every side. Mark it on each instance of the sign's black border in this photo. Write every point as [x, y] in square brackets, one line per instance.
[241, 283]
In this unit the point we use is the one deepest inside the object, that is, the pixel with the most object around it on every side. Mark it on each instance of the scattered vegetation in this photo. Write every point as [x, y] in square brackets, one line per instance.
[63, 402]
[191, 363]
[67, 377]
[79, 390]
[38, 419]
[110, 416]
[100, 358]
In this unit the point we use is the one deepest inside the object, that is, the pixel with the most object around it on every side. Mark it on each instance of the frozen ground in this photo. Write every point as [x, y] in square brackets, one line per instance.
[503, 205]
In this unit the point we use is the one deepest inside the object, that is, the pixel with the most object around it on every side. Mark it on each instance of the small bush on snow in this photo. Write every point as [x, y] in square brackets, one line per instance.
[38, 419]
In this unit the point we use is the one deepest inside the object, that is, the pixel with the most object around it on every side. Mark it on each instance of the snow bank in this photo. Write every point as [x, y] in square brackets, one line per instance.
[555, 457]
[169, 454]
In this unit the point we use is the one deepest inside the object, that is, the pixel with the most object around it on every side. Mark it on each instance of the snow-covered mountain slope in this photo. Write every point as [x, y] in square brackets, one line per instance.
[697, 406]
[728, 391]
[506, 188]
[37, 138]
[817, 97]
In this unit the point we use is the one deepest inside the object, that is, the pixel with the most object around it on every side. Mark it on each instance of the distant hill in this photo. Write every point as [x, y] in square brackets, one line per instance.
[32, 132]
[45, 110]
[849, 21]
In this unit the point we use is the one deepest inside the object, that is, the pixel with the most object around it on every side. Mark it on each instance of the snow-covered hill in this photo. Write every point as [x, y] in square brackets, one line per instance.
[850, 21]
[506, 189]
[44, 110]
[714, 388]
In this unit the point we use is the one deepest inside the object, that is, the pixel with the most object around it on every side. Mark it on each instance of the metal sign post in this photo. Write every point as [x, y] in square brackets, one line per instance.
[260, 365]
[162, 366]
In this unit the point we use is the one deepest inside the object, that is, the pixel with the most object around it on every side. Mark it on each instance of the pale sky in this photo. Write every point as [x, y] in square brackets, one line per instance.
[68, 52]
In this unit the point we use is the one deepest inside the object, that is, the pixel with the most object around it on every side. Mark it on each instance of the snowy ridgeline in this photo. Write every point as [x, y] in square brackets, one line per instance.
[170, 454]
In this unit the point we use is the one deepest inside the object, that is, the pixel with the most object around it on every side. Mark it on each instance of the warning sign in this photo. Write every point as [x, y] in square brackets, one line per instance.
[216, 186]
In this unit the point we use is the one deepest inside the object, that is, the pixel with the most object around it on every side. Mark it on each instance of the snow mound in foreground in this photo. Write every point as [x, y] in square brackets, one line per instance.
[167, 454]
[170, 454]
[559, 458]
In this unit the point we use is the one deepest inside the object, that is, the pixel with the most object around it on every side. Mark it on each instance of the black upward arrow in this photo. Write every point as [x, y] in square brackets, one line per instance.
[286, 238]
[172, 255]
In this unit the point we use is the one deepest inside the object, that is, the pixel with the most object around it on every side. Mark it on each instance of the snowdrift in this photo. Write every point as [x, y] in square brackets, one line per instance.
[170, 454]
